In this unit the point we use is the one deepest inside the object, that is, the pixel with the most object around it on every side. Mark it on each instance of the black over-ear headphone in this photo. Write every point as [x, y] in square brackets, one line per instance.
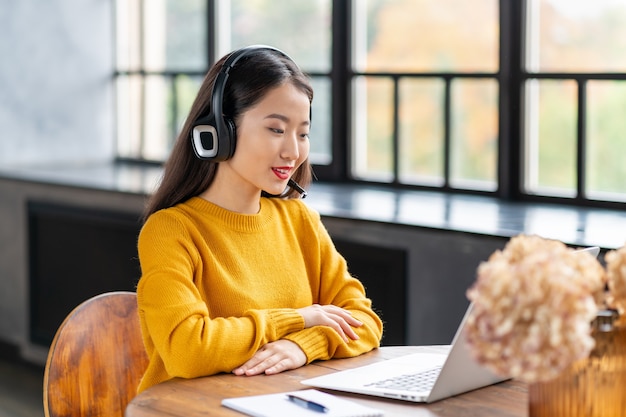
[213, 137]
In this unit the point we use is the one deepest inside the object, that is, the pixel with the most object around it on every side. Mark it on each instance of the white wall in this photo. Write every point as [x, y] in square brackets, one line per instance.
[56, 88]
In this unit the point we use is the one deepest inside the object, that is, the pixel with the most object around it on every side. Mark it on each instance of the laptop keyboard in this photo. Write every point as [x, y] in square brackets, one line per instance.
[421, 381]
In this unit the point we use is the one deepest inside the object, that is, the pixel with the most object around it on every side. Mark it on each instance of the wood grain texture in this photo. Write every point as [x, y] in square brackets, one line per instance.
[203, 396]
[96, 359]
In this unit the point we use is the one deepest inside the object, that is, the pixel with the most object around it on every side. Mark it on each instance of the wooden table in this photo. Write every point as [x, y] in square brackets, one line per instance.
[203, 396]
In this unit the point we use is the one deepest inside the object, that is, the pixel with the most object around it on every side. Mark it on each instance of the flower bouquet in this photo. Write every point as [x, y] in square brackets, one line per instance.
[539, 310]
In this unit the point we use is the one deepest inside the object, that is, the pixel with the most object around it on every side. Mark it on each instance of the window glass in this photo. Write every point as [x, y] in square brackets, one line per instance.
[128, 35]
[174, 35]
[414, 40]
[474, 134]
[606, 140]
[158, 118]
[426, 35]
[129, 116]
[373, 128]
[320, 134]
[301, 28]
[412, 83]
[550, 166]
[186, 88]
[156, 37]
[576, 36]
[421, 131]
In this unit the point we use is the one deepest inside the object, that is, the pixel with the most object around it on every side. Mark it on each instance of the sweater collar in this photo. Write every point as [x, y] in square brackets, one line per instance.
[234, 220]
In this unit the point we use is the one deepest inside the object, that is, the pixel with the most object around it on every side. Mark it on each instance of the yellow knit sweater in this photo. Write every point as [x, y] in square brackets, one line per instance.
[217, 285]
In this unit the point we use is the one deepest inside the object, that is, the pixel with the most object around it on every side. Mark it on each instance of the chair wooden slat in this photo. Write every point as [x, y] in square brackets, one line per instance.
[96, 359]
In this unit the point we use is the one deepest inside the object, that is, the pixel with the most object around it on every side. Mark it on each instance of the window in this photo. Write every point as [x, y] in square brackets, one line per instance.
[302, 30]
[161, 59]
[163, 55]
[425, 106]
[519, 99]
[575, 93]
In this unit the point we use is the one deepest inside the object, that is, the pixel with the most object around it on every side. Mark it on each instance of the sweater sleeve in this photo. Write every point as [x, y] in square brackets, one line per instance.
[175, 319]
[334, 285]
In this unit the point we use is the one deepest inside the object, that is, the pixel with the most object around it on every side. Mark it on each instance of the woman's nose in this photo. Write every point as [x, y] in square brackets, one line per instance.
[290, 150]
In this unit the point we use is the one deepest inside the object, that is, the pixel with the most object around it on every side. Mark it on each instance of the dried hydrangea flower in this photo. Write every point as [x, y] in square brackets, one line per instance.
[592, 275]
[616, 277]
[533, 303]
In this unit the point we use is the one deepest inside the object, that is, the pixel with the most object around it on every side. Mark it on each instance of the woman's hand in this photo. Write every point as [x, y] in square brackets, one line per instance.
[275, 357]
[283, 355]
[332, 316]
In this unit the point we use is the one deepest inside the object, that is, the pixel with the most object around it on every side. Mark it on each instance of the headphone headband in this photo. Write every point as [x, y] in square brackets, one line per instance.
[213, 137]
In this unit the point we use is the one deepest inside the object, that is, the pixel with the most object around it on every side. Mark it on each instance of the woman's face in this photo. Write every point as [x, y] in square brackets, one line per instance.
[272, 140]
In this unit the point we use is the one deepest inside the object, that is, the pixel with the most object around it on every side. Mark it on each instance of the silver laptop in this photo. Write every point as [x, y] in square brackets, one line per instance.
[431, 374]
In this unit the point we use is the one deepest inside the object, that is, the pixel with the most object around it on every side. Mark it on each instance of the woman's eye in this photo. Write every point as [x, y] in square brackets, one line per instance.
[278, 131]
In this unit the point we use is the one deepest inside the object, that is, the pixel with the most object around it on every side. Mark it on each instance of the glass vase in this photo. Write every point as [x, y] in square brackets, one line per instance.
[591, 387]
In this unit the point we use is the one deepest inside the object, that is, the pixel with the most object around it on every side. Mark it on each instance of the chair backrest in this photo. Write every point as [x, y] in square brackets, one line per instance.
[96, 359]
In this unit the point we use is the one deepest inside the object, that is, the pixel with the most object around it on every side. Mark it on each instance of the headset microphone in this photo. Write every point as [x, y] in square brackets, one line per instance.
[291, 183]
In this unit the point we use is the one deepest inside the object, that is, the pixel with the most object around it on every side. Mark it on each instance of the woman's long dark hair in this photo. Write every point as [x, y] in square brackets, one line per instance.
[185, 175]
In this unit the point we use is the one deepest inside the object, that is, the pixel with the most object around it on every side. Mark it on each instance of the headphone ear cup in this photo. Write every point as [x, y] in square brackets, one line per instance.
[230, 141]
[204, 139]
[212, 141]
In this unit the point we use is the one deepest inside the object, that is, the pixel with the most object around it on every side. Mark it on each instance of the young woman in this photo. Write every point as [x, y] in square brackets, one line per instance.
[238, 274]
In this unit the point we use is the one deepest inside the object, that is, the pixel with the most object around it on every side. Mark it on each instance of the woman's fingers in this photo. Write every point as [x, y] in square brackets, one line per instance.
[273, 358]
[332, 316]
[250, 366]
[341, 324]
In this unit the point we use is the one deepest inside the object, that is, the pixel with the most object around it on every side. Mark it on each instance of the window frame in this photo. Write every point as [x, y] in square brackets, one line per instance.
[517, 23]
[511, 78]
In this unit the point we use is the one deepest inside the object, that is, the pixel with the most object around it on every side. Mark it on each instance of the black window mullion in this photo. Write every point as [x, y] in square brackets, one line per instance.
[512, 16]
[396, 130]
[581, 153]
[447, 120]
[341, 82]
[211, 31]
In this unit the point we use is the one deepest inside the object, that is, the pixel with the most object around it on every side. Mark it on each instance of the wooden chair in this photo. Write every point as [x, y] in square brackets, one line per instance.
[96, 359]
